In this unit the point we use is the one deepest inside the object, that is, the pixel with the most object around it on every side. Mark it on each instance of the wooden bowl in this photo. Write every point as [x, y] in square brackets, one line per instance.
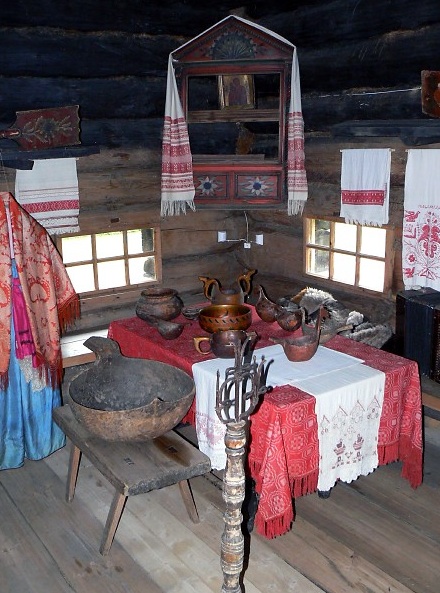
[129, 399]
[216, 318]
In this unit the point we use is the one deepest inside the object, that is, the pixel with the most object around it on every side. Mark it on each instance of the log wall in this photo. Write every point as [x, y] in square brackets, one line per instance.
[360, 65]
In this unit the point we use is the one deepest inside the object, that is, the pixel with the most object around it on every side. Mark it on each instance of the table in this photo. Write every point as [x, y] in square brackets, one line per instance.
[283, 455]
[132, 468]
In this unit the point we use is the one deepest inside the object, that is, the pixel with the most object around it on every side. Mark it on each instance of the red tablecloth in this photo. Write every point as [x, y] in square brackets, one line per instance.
[283, 453]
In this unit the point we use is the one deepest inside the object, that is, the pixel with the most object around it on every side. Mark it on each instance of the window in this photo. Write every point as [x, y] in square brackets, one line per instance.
[351, 254]
[114, 261]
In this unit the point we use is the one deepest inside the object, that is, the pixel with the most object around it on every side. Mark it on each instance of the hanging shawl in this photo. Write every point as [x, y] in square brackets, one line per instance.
[50, 300]
[421, 219]
[365, 185]
[177, 185]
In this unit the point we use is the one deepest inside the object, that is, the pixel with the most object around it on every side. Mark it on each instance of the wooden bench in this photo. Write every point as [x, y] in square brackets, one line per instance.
[132, 468]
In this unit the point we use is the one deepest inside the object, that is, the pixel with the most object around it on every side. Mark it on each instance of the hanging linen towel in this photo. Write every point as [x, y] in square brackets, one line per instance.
[177, 185]
[365, 185]
[348, 409]
[421, 219]
[297, 189]
[49, 193]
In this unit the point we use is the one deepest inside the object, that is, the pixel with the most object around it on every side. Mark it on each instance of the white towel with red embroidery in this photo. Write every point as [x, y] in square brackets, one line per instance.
[365, 185]
[177, 184]
[297, 189]
[49, 193]
[421, 219]
[348, 409]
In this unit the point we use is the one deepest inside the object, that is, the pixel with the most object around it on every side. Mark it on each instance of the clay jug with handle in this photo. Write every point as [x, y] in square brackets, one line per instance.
[231, 295]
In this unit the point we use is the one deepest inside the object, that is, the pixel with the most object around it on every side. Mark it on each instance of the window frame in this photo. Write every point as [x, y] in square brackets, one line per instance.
[122, 295]
[388, 258]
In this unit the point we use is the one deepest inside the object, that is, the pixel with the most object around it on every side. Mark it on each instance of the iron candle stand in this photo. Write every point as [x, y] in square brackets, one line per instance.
[234, 404]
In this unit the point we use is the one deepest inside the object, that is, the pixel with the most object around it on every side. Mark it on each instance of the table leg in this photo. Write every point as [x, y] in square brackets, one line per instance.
[72, 474]
[112, 522]
[188, 499]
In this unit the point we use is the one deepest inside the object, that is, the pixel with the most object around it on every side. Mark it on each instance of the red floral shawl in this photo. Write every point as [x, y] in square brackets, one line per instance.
[51, 301]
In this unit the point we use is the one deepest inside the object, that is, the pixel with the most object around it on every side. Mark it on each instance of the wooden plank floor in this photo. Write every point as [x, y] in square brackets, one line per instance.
[376, 535]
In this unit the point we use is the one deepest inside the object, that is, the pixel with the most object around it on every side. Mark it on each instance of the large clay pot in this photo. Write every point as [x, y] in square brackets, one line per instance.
[163, 303]
[222, 343]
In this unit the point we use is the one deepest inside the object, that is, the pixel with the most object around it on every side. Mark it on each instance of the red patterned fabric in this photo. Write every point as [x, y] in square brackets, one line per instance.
[51, 302]
[363, 197]
[283, 452]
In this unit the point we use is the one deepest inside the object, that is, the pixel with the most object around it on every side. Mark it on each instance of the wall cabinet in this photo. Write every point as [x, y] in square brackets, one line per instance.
[233, 82]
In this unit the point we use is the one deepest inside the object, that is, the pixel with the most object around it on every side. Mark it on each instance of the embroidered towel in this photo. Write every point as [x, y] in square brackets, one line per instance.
[421, 219]
[365, 185]
[297, 189]
[177, 185]
[348, 409]
[49, 193]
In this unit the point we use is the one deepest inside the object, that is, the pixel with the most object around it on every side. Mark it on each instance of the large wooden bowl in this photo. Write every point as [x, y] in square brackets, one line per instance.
[225, 317]
[129, 399]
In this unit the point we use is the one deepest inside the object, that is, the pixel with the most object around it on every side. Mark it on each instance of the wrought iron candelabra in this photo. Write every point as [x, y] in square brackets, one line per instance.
[236, 398]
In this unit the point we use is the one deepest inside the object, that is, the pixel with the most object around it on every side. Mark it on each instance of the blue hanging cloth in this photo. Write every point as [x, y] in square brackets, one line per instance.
[26, 426]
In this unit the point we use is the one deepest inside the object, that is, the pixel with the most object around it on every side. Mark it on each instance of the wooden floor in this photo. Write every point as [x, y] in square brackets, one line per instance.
[374, 536]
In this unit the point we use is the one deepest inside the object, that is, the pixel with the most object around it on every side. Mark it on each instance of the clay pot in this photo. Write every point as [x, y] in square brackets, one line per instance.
[266, 309]
[222, 343]
[223, 317]
[231, 295]
[290, 321]
[302, 348]
[163, 303]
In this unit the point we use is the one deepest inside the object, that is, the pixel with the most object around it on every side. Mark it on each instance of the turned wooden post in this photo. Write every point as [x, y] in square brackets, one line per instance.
[234, 404]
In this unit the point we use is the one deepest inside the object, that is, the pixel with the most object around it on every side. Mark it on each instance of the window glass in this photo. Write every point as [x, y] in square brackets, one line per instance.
[349, 254]
[318, 262]
[371, 274]
[82, 277]
[111, 274]
[344, 268]
[76, 247]
[109, 245]
[320, 232]
[116, 262]
[345, 236]
[373, 241]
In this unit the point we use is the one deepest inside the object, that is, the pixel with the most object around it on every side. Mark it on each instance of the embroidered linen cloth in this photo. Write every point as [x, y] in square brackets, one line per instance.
[348, 409]
[421, 219]
[177, 185]
[49, 192]
[297, 189]
[365, 185]
[210, 430]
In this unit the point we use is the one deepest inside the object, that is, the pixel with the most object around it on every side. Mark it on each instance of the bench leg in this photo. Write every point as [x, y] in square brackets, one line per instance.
[72, 474]
[112, 522]
[188, 499]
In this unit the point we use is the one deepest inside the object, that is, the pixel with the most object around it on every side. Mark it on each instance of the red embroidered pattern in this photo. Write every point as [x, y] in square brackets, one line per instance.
[362, 197]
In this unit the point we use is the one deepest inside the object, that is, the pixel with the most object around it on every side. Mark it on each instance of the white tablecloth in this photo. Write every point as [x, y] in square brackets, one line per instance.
[328, 371]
